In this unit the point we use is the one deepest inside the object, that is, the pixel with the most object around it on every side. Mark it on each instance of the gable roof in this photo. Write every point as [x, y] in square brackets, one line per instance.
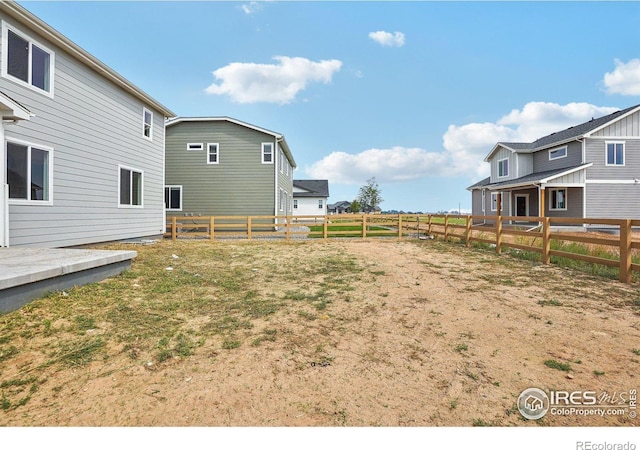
[279, 137]
[44, 30]
[314, 188]
[564, 136]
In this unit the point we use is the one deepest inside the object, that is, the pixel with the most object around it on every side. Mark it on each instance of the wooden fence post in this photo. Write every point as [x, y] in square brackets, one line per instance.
[211, 227]
[325, 228]
[467, 237]
[446, 227]
[429, 226]
[288, 233]
[499, 234]
[174, 228]
[249, 227]
[364, 226]
[546, 240]
[625, 251]
[399, 225]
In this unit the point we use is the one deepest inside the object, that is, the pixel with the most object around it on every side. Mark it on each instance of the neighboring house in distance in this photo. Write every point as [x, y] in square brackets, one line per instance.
[221, 166]
[82, 152]
[591, 170]
[310, 197]
[339, 207]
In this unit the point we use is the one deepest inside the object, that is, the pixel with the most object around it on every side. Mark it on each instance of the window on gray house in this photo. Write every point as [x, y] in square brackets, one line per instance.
[615, 153]
[130, 187]
[267, 153]
[22, 54]
[27, 172]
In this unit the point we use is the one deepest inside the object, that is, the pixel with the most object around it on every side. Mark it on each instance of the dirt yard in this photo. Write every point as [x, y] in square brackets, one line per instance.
[338, 333]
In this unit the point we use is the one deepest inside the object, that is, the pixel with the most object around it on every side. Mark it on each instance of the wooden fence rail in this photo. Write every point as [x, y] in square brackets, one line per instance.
[532, 234]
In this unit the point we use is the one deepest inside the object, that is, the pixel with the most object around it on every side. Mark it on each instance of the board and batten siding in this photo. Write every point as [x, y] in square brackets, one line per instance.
[501, 154]
[92, 127]
[240, 184]
[624, 127]
[541, 162]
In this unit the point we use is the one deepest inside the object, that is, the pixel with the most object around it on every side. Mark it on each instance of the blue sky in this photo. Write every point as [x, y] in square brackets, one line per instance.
[412, 93]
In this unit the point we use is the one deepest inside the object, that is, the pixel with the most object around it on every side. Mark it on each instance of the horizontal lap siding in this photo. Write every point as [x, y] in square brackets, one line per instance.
[239, 185]
[574, 203]
[542, 163]
[92, 126]
[596, 154]
[615, 201]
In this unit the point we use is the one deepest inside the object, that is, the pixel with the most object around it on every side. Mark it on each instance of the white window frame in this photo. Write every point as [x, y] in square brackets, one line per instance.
[320, 204]
[281, 200]
[49, 150]
[555, 150]
[144, 123]
[504, 175]
[606, 153]
[272, 153]
[295, 203]
[195, 146]
[566, 198]
[170, 187]
[217, 153]
[5, 60]
[495, 208]
[131, 169]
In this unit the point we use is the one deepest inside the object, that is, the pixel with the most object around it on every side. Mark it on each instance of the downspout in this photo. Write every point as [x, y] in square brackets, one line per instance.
[4, 192]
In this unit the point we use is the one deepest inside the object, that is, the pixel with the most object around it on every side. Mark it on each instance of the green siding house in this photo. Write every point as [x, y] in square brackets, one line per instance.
[221, 166]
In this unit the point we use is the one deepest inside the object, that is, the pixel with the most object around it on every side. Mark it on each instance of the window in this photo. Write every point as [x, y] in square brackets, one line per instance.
[173, 198]
[194, 147]
[503, 168]
[28, 172]
[557, 153]
[615, 153]
[558, 199]
[130, 183]
[26, 61]
[147, 123]
[267, 153]
[212, 154]
[295, 203]
[320, 204]
[494, 202]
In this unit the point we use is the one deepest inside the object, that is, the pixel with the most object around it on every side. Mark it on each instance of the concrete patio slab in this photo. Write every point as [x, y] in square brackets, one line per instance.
[30, 273]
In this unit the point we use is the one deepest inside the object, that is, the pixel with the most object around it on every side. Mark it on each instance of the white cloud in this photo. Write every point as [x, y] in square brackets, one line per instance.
[271, 83]
[465, 147]
[387, 39]
[387, 165]
[625, 78]
[251, 7]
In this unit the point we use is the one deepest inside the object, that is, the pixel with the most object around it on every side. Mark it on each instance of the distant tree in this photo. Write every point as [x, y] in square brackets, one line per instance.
[369, 196]
[355, 207]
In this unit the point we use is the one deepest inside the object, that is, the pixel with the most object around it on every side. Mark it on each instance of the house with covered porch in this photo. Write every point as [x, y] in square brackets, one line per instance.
[590, 170]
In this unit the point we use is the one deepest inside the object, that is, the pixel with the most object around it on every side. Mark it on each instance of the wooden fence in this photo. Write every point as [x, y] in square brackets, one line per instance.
[533, 234]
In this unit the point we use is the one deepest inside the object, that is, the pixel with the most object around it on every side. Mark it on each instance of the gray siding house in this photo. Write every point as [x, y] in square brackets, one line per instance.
[221, 166]
[82, 151]
[590, 170]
